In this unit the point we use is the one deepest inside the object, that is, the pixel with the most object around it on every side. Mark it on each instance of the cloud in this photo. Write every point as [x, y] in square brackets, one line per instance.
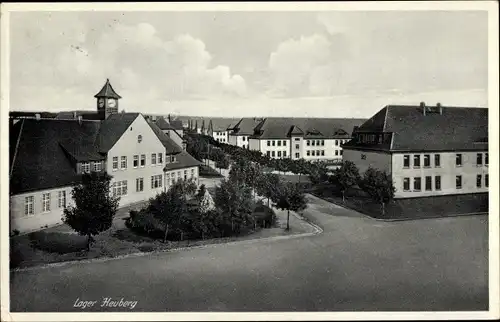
[136, 58]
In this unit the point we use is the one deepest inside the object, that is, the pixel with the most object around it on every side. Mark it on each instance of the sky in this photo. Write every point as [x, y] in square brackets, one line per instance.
[237, 64]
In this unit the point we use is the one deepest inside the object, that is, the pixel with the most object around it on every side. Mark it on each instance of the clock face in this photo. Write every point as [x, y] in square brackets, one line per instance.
[100, 102]
[111, 102]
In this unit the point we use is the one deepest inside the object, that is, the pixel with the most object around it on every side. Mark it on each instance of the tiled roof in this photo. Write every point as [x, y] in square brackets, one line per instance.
[43, 153]
[177, 124]
[163, 124]
[222, 124]
[184, 160]
[245, 126]
[457, 128]
[19, 114]
[107, 91]
[276, 128]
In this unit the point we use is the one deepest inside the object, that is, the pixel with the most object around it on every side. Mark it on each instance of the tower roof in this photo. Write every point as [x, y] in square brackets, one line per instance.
[107, 91]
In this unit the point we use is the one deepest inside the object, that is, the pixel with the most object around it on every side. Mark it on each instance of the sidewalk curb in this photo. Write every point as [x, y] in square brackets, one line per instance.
[317, 231]
[398, 219]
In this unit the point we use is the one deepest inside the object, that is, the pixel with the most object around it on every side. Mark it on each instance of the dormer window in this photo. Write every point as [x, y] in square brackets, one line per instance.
[86, 167]
[97, 166]
[139, 138]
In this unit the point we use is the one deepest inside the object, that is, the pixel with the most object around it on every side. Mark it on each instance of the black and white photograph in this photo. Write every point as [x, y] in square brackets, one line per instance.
[249, 161]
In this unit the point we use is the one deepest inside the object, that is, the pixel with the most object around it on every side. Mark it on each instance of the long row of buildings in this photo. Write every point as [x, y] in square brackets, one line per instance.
[427, 150]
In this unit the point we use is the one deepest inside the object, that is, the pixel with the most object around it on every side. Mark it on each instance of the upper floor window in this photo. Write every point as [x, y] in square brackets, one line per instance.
[143, 160]
[274, 143]
[136, 161]
[313, 142]
[427, 160]
[29, 205]
[308, 153]
[486, 158]
[173, 159]
[479, 179]
[62, 199]
[139, 138]
[279, 143]
[308, 143]
[86, 167]
[115, 163]
[46, 202]
[486, 180]
[97, 166]
[479, 159]
[406, 161]
[336, 142]
[437, 160]
[297, 139]
[297, 146]
[124, 162]
[284, 143]
[268, 143]
[416, 161]
[160, 158]
[153, 158]
[458, 160]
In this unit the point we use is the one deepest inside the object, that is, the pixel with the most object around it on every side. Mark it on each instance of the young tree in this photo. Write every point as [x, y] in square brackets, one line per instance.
[234, 200]
[346, 176]
[252, 175]
[289, 197]
[206, 202]
[222, 163]
[379, 185]
[267, 185]
[94, 207]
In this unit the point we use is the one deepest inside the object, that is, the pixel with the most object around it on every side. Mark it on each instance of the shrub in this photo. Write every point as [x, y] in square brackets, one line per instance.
[55, 242]
[145, 223]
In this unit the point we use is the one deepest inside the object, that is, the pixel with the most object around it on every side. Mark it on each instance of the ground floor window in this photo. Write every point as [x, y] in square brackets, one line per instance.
[156, 181]
[62, 199]
[458, 182]
[29, 205]
[428, 183]
[486, 180]
[120, 188]
[406, 184]
[479, 180]
[139, 184]
[437, 182]
[417, 184]
[46, 202]
[297, 155]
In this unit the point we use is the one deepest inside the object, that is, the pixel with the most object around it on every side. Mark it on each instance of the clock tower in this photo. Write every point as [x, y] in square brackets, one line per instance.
[107, 101]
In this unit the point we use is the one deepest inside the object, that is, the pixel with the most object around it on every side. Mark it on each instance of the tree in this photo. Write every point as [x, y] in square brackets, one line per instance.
[234, 200]
[346, 176]
[318, 172]
[379, 186]
[267, 185]
[289, 197]
[94, 207]
[252, 175]
[222, 163]
[206, 202]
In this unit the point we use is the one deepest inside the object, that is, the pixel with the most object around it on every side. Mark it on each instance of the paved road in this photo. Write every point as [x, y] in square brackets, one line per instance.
[355, 264]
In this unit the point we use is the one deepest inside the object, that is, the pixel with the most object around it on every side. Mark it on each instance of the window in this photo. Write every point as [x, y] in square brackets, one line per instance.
[341, 152]
[437, 160]
[153, 158]
[486, 180]
[417, 184]
[437, 182]
[308, 142]
[273, 154]
[173, 159]
[427, 160]
[29, 205]
[143, 160]
[156, 181]
[160, 158]
[479, 179]
[308, 153]
[192, 173]
[297, 139]
[284, 143]
[167, 159]
[458, 160]
[268, 153]
[46, 202]
[139, 138]
[406, 161]
[428, 183]
[323, 152]
[336, 152]
[297, 146]
[97, 166]
[313, 142]
[185, 174]
[61, 197]
[416, 161]
[336, 143]
[313, 153]
[124, 162]
[120, 188]
[86, 167]
[297, 155]
[279, 142]
[406, 184]
[274, 143]
[486, 158]
[136, 161]
[279, 154]
[284, 154]
[268, 143]
[323, 142]
[458, 182]
[139, 184]
[115, 163]
[479, 159]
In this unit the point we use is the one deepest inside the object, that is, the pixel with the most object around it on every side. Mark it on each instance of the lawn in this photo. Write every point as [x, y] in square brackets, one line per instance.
[409, 208]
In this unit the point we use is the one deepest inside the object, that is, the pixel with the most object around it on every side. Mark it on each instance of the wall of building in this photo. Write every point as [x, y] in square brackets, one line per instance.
[39, 219]
[129, 146]
[220, 136]
[254, 144]
[364, 159]
[275, 151]
[447, 170]
[239, 140]
[172, 176]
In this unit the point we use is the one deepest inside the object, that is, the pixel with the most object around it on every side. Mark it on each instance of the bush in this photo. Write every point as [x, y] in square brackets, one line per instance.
[60, 243]
[264, 216]
[144, 223]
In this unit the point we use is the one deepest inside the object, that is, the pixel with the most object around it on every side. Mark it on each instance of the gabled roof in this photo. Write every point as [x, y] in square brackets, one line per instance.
[176, 124]
[112, 129]
[221, 124]
[184, 160]
[457, 128]
[107, 91]
[277, 128]
[245, 126]
[20, 114]
[163, 124]
[170, 146]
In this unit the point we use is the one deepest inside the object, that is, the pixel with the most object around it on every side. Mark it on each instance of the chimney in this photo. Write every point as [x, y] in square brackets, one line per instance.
[440, 108]
[37, 116]
[169, 119]
[74, 115]
[184, 145]
[422, 105]
[80, 119]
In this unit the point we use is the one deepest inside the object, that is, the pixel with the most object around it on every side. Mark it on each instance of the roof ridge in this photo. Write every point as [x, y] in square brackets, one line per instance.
[17, 147]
